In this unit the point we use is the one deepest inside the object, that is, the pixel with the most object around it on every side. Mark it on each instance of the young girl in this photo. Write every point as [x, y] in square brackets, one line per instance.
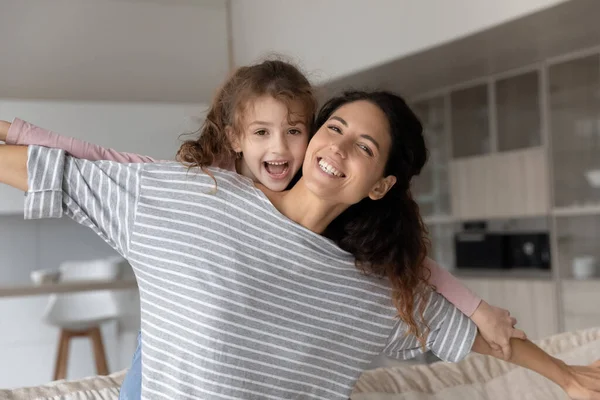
[259, 124]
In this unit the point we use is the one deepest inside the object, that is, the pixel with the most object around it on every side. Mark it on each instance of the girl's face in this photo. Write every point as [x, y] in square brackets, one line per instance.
[273, 142]
[345, 161]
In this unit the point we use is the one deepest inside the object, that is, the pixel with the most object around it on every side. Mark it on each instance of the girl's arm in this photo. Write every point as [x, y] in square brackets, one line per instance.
[495, 324]
[580, 383]
[23, 133]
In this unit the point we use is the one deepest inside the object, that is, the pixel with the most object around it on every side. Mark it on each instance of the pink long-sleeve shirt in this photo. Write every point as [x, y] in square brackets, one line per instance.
[25, 133]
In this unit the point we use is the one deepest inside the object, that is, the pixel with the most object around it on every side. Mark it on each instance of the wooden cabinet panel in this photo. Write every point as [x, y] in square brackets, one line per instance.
[500, 185]
[581, 298]
[579, 322]
[581, 304]
[532, 302]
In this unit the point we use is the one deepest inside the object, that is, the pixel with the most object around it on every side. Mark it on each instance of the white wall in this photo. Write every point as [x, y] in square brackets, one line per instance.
[333, 38]
[113, 50]
[152, 129]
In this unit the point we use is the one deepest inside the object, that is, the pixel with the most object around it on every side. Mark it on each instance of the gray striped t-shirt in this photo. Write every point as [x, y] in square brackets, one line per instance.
[237, 301]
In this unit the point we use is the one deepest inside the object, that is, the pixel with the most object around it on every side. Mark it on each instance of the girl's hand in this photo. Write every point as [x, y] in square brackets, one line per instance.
[585, 382]
[496, 326]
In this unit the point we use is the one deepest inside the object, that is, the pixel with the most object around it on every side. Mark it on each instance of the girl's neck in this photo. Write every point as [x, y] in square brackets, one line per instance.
[303, 207]
[242, 169]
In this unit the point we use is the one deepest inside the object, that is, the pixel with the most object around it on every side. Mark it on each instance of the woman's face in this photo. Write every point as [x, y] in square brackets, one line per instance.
[346, 158]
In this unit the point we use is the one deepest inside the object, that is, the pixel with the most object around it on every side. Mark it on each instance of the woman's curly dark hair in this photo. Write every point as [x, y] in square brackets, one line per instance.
[387, 236]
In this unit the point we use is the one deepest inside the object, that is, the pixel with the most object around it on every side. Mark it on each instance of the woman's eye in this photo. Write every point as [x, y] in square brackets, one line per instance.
[261, 132]
[334, 128]
[366, 149]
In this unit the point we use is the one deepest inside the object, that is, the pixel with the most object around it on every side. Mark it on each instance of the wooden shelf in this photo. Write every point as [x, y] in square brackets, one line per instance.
[574, 211]
[439, 219]
[66, 287]
[517, 273]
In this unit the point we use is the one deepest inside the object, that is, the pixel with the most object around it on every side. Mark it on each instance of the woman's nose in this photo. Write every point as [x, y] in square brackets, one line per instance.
[339, 148]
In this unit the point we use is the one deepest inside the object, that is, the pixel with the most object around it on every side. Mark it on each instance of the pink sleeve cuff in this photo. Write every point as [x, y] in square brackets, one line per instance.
[452, 289]
[14, 132]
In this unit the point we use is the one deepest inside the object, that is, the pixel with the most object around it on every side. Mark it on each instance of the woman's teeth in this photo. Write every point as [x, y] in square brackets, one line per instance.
[329, 169]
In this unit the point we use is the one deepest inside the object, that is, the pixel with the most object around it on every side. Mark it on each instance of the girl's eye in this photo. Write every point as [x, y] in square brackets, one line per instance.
[261, 132]
[295, 132]
[334, 128]
[366, 149]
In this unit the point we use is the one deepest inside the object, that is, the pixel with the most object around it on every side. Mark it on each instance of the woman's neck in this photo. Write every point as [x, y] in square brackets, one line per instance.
[303, 207]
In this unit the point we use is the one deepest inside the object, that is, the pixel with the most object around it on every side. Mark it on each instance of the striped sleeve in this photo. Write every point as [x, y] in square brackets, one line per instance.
[451, 333]
[101, 195]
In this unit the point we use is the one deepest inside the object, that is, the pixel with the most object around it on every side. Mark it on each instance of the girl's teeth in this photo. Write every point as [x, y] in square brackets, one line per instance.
[277, 168]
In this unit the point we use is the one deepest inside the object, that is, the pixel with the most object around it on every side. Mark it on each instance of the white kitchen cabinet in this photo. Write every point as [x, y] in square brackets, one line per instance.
[581, 304]
[500, 185]
[532, 302]
[147, 128]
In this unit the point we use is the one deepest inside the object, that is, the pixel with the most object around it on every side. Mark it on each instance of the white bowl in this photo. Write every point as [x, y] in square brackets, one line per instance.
[593, 177]
[44, 276]
[584, 267]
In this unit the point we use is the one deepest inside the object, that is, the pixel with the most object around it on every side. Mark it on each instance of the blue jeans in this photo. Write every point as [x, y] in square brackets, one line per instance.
[131, 389]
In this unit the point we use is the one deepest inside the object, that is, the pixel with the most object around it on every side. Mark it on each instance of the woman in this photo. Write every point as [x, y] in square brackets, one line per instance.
[258, 304]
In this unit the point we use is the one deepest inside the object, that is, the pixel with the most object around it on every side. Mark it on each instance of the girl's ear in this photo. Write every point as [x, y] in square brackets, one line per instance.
[234, 140]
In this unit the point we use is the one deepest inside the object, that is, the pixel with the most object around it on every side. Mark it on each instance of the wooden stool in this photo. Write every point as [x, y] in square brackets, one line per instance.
[62, 355]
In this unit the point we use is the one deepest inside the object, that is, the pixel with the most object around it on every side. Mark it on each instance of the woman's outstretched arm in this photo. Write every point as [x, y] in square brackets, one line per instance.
[13, 166]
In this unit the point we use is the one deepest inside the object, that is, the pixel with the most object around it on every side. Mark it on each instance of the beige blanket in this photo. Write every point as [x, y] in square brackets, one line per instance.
[476, 377]
[479, 377]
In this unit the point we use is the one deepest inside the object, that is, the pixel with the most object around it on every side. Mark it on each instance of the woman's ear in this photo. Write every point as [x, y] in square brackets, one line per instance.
[234, 140]
[382, 187]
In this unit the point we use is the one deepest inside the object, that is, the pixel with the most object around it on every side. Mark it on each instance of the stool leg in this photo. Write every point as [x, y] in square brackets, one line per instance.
[62, 355]
[99, 354]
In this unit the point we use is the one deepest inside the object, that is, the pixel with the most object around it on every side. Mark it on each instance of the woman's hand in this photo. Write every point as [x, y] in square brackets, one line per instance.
[585, 382]
[4, 126]
[496, 326]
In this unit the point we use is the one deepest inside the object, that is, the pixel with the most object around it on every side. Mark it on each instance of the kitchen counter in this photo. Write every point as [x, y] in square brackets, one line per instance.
[65, 287]
[515, 273]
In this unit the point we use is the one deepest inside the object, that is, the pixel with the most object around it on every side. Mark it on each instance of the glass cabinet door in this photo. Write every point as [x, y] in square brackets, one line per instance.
[442, 244]
[430, 188]
[574, 88]
[518, 112]
[469, 115]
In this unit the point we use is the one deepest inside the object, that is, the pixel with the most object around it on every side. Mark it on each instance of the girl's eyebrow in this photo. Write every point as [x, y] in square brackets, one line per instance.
[298, 122]
[261, 123]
